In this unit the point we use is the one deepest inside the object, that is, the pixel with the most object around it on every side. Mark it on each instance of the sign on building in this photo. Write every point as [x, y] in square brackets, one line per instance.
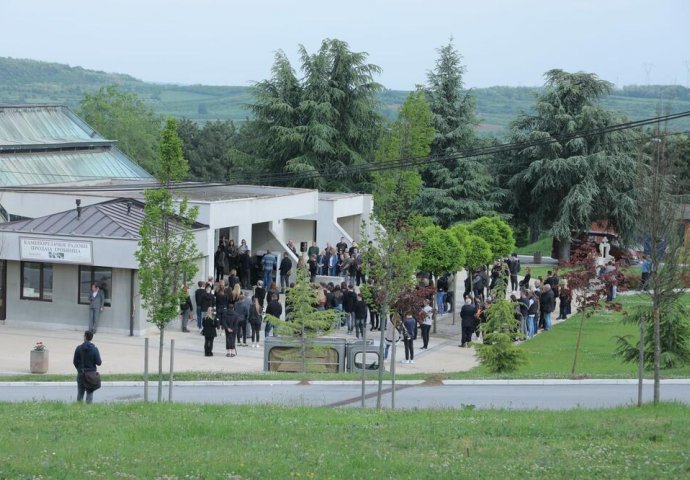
[56, 251]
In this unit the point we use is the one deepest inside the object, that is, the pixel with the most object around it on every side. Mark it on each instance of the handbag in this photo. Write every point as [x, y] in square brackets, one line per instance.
[92, 380]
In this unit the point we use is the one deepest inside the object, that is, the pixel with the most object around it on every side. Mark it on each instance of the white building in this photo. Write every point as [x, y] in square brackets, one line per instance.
[55, 249]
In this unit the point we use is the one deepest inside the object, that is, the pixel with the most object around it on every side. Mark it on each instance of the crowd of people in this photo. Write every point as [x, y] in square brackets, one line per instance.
[227, 303]
[535, 301]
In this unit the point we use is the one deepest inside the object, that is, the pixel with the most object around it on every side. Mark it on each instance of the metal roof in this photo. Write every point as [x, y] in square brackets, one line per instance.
[120, 219]
[42, 125]
[45, 144]
[35, 168]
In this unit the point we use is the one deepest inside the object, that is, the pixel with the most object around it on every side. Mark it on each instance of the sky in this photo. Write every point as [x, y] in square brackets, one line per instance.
[216, 42]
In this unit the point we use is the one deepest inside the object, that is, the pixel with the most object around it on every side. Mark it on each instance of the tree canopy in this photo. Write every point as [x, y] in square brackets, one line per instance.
[496, 233]
[441, 251]
[396, 190]
[124, 117]
[321, 124]
[477, 250]
[455, 187]
[573, 180]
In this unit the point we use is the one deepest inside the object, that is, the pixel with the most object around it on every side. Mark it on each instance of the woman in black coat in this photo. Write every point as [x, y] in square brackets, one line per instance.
[230, 320]
[208, 330]
[255, 321]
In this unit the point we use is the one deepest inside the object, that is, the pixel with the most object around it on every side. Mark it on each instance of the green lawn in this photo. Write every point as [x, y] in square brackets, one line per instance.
[542, 245]
[175, 441]
[551, 353]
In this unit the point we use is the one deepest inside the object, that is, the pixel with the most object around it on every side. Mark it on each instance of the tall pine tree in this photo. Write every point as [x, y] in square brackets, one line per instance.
[571, 181]
[320, 126]
[454, 188]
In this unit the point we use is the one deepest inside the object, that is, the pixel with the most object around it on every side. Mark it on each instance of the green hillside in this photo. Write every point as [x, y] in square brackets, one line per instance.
[30, 81]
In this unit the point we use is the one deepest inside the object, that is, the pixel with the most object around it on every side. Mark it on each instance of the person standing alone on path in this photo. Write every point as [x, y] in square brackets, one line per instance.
[86, 358]
[427, 323]
[409, 334]
[96, 302]
[468, 314]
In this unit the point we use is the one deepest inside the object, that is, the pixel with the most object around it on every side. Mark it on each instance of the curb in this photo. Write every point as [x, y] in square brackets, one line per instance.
[271, 383]
[555, 382]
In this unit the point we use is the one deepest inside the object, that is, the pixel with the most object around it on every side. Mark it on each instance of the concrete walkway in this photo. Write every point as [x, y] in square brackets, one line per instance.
[123, 354]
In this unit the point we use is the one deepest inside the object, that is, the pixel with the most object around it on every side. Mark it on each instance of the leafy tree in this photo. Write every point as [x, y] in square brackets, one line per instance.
[325, 122]
[477, 250]
[441, 252]
[454, 188]
[657, 222]
[574, 180]
[167, 249]
[124, 117]
[588, 290]
[391, 261]
[212, 150]
[497, 234]
[498, 351]
[303, 322]
[396, 190]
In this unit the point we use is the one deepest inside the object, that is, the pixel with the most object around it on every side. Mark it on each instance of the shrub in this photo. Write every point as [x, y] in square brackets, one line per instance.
[499, 354]
[501, 329]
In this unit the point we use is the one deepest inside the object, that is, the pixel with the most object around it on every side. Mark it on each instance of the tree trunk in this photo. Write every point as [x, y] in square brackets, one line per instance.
[382, 338]
[577, 344]
[534, 232]
[640, 365]
[364, 362]
[393, 371]
[564, 250]
[435, 303]
[657, 354]
[160, 364]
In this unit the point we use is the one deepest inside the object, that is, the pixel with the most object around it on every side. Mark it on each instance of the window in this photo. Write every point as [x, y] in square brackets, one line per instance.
[101, 276]
[37, 281]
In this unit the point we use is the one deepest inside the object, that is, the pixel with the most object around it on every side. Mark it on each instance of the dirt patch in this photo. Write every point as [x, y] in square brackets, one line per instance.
[305, 381]
[433, 381]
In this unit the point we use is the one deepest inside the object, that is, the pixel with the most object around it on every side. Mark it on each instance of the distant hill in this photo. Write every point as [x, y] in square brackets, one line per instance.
[30, 81]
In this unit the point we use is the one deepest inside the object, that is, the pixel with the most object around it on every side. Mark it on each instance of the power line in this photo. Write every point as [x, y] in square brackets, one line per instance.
[361, 169]
[468, 153]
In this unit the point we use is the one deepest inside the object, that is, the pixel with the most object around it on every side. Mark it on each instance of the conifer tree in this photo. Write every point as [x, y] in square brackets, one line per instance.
[454, 188]
[569, 183]
[325, 122]
[303, 322]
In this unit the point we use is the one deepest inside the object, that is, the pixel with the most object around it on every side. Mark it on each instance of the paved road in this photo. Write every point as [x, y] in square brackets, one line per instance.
[482, 395]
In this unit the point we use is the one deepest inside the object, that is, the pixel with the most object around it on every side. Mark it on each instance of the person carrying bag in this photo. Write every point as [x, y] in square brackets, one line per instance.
[86, 359]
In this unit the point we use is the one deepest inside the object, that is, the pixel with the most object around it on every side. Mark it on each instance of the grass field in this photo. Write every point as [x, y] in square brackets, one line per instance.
[542, 245]
[173, 441]
[551, 353]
